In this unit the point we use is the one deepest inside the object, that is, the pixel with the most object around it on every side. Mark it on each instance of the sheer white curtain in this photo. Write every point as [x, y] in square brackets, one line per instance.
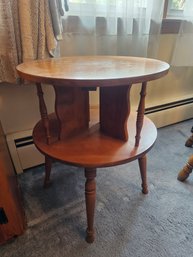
[122, 27]
[183, 50]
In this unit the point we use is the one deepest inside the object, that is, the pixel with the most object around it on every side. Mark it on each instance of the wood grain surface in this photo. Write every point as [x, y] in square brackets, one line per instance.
[96, 71]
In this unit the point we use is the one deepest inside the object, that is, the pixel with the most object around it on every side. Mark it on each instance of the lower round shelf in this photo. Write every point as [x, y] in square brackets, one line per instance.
[93, 149]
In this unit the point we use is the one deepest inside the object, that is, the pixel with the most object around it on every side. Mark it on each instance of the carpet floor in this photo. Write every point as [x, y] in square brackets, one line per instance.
[128, 223]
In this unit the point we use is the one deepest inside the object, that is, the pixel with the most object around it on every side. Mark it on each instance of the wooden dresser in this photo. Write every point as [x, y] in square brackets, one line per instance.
[12, 216]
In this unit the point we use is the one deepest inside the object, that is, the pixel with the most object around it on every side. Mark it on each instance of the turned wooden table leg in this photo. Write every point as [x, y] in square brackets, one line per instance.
[48, 166]
[43, 112]
[143, 170]
[187, 169]
[90, 195]
[189, 141]
[140, 113]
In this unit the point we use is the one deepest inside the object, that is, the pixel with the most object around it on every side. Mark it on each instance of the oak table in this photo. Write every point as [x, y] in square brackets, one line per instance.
[68, 136]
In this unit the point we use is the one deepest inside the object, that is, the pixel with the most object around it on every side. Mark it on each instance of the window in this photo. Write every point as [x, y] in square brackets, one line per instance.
[101, 7]
[177, 4]
[175, 9]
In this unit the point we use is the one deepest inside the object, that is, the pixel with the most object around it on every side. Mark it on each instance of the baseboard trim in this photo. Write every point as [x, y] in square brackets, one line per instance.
[170, 105]
[171, 113]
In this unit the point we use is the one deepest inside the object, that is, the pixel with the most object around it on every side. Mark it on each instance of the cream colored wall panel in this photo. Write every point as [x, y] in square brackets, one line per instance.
[24, 154]
[30, 156]
[19, 109]
[171, 116]
[14, 154]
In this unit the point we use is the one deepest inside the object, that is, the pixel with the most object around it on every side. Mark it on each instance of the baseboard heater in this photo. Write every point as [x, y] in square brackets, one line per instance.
[25, 155]
[23, 151]
[170, 113]
[167, 106]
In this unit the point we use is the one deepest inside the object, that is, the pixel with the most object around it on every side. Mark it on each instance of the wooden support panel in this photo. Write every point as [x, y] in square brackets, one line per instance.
[114, 111]
[72, 110]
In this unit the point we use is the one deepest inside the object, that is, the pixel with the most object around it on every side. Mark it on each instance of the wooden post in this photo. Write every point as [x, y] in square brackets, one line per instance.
[143, 170]
[187, 169]
[48, 167]
[189, 141]
[43, 111]
[140, 113]
[90, 195]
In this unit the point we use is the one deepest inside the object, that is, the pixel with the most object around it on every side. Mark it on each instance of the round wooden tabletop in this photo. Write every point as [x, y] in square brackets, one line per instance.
[89, 71]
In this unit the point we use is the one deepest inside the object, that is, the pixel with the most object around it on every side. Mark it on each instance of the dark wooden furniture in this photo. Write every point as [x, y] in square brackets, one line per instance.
[117, 138]
[187, 169]
[189, 141]
[12, 217]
